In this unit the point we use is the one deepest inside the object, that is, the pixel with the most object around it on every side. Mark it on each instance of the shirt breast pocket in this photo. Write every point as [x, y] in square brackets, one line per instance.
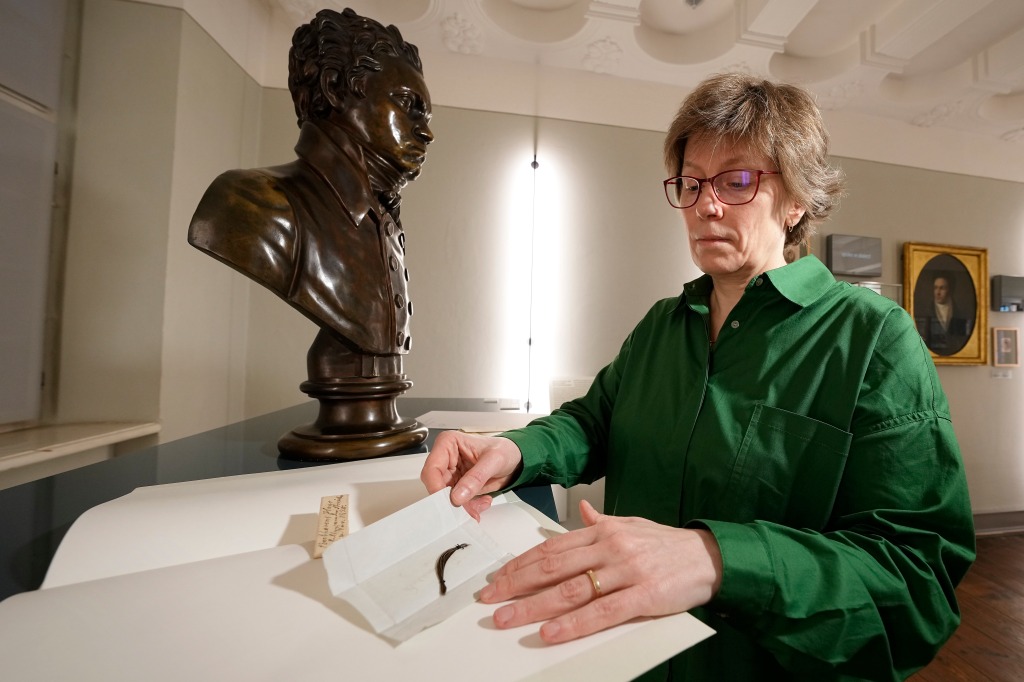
[787, 469]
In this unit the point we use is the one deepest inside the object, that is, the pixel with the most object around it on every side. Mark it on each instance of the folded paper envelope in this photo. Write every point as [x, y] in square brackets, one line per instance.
[390, 572]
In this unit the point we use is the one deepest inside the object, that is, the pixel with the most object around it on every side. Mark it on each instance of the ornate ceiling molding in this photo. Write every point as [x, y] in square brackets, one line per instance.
[462, 35]
[627, 11]
[957, 64]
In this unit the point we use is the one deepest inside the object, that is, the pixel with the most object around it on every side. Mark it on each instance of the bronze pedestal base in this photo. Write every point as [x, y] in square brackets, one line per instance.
[358, 419]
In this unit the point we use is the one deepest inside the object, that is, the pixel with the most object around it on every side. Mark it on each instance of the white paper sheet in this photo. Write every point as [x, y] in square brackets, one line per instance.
[174, 590]
[388, 570]
[268, 616]
[177, 523]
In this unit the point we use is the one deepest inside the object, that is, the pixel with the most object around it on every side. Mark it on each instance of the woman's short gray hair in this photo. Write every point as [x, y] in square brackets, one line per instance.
[778, 120]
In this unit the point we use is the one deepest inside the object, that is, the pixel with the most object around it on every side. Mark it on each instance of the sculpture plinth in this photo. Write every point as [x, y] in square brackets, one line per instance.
[358, 419]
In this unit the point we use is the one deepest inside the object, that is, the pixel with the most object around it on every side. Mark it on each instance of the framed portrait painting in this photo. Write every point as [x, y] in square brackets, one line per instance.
[945, 290]
[1005, 347]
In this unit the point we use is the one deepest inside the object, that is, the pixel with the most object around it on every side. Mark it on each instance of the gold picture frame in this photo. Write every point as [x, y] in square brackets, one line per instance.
[945, 290]
[1005, 347]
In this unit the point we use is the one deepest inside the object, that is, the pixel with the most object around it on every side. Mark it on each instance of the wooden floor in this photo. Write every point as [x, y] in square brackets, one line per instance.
[989, 644]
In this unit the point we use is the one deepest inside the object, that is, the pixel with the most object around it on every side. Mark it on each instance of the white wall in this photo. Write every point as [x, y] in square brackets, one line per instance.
[161, 111]
[606, 245]
[205, 304]
[616, 247]
[31, 45]
[112, 332]
[156, 329]
[902, 204]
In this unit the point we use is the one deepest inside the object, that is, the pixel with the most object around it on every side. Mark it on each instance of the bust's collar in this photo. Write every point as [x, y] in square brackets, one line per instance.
[338, 160]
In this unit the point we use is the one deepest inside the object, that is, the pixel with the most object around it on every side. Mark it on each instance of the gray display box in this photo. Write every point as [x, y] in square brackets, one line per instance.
[1008, 294]
[847, 254]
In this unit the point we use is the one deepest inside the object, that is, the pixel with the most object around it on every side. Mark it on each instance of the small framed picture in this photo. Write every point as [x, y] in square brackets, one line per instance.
[1005, 347]
[945, 290]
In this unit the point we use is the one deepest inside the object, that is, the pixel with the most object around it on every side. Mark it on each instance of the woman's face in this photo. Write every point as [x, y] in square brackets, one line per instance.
[736, 242]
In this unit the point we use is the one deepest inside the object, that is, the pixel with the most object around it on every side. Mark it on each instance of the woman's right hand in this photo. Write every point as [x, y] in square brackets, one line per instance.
[472, 466]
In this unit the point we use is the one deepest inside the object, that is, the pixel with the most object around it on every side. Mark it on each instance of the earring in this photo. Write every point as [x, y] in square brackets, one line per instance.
[790, 228]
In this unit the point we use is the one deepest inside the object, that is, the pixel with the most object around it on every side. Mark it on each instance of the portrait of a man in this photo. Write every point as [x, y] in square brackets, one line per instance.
[323, 232]
[945, 305]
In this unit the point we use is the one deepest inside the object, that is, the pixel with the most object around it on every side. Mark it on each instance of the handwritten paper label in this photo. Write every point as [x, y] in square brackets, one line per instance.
[332, 522]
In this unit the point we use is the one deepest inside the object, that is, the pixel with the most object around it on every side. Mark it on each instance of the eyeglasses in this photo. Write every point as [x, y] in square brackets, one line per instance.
[732, 187]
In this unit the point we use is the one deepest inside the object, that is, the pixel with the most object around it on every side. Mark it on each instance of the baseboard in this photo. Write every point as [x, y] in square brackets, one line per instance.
[999, 522]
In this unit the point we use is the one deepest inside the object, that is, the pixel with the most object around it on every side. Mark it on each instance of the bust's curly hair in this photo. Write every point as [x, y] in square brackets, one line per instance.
[338, 51]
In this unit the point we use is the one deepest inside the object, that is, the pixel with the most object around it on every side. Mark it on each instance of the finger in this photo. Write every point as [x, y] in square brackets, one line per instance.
[589, 515]
[441, 462]
[552, 570]
[553, 546]
[475, 480]
[435, 478]
[565, 597]
[539, 553]
[478, 505]
[596, 615]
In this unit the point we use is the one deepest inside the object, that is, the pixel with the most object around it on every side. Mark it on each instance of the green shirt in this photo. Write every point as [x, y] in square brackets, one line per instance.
[815, 442]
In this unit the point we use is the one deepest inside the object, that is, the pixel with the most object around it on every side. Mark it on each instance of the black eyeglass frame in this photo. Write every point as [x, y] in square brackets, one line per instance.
[711, 181]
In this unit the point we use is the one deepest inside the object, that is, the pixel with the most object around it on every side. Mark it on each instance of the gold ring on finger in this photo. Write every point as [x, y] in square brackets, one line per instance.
[595, 582]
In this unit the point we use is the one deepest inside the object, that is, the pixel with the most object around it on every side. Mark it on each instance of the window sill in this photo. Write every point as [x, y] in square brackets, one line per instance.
[37, 452]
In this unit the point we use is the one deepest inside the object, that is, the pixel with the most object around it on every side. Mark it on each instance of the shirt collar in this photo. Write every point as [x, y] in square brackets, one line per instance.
[802, 282]
[339, 162]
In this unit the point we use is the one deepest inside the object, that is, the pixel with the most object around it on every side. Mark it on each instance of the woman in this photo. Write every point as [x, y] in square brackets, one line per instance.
[778, 450]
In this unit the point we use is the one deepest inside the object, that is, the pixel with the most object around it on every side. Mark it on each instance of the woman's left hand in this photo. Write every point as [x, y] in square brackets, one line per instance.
[643, 569]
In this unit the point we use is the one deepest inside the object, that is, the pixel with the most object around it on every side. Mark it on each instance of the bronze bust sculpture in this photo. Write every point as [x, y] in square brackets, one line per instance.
[323, 232]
